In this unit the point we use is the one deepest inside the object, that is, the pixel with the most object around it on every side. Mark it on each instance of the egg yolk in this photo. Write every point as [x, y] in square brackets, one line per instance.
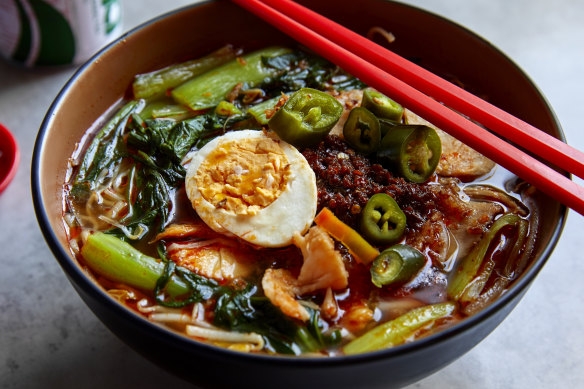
[243, 176]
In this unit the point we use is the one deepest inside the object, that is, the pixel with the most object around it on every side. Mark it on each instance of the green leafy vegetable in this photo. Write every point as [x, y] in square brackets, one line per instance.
[156, 83]
[151, 205]
[243, 310]
[398, 330]
[201, 288]
[298, 70]
[106, 149]
[156, 147]
[119, 261]
[208, 89]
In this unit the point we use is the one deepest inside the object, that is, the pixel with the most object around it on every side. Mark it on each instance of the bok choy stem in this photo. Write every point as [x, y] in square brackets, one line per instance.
[258, 111]
[156, 83]
[398, 330]
[118, 261]
[208, 89]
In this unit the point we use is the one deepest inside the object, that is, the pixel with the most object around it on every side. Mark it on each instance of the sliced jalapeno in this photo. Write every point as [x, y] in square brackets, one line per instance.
[381, 105]
[414, 151]
[382, 220]
[395, 265]
[306, 117]
[362, 130]
[386, 125]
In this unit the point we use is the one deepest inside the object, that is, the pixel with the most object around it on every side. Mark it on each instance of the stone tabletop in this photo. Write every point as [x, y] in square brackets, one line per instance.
[50, 339]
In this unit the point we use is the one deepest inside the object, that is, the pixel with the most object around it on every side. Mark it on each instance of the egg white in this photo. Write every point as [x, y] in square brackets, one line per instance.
[274, 225]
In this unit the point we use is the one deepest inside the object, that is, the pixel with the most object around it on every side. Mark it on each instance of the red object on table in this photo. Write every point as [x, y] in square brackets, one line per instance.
[9, 157]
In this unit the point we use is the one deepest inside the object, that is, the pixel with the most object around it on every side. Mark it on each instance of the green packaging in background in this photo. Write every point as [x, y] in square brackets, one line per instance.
[56, 32]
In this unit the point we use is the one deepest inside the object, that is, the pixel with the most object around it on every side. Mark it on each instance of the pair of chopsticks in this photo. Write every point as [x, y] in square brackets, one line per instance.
[412, 86]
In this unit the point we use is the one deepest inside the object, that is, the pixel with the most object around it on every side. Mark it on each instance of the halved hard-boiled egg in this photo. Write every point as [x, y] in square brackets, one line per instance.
[252, 186]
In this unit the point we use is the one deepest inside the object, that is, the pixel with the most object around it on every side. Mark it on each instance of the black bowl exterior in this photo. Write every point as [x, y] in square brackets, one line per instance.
[214, 367]
[210, 368]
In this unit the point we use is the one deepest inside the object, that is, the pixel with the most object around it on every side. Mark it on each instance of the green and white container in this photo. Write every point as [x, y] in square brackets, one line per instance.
[56, 32]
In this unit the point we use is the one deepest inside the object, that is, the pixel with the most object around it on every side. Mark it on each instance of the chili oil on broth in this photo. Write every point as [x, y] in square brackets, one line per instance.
[360, 306]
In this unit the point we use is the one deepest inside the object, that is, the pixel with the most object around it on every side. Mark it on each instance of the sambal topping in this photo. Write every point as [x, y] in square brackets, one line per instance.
[351, 180]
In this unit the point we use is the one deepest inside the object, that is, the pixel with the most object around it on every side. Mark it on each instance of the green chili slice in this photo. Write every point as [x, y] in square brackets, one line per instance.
[414, 151]
[396, 265]
[386, 125]
[382, 220]
[381, 105]
[306, 118]
[362, 130]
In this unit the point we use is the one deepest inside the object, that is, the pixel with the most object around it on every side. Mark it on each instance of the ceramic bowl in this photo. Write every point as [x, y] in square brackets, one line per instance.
[430, 40]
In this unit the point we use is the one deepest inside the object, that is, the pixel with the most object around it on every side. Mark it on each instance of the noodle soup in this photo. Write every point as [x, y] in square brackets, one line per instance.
[269, 202]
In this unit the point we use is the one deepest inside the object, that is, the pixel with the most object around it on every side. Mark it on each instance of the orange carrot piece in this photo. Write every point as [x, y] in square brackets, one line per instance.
[358, 247]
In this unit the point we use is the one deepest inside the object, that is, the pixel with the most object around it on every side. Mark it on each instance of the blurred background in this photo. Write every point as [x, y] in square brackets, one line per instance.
[50, 339]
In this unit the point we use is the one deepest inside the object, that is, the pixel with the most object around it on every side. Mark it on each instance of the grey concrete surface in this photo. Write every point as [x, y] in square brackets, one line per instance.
[50, 339]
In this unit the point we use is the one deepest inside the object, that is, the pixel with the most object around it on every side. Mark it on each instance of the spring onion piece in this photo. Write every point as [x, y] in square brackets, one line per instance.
[362, 130]
[208, 89]
[118, 261]
[382, 220]
[149, 85]
[398, 330]
[413, 151]
[381, 105]
[396, 265]
[361, 250]
[258, 111]
[467, 274]
[306, 118]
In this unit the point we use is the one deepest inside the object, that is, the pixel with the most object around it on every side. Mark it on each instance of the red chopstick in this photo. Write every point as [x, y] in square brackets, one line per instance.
[499, 121]
[493, 147]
